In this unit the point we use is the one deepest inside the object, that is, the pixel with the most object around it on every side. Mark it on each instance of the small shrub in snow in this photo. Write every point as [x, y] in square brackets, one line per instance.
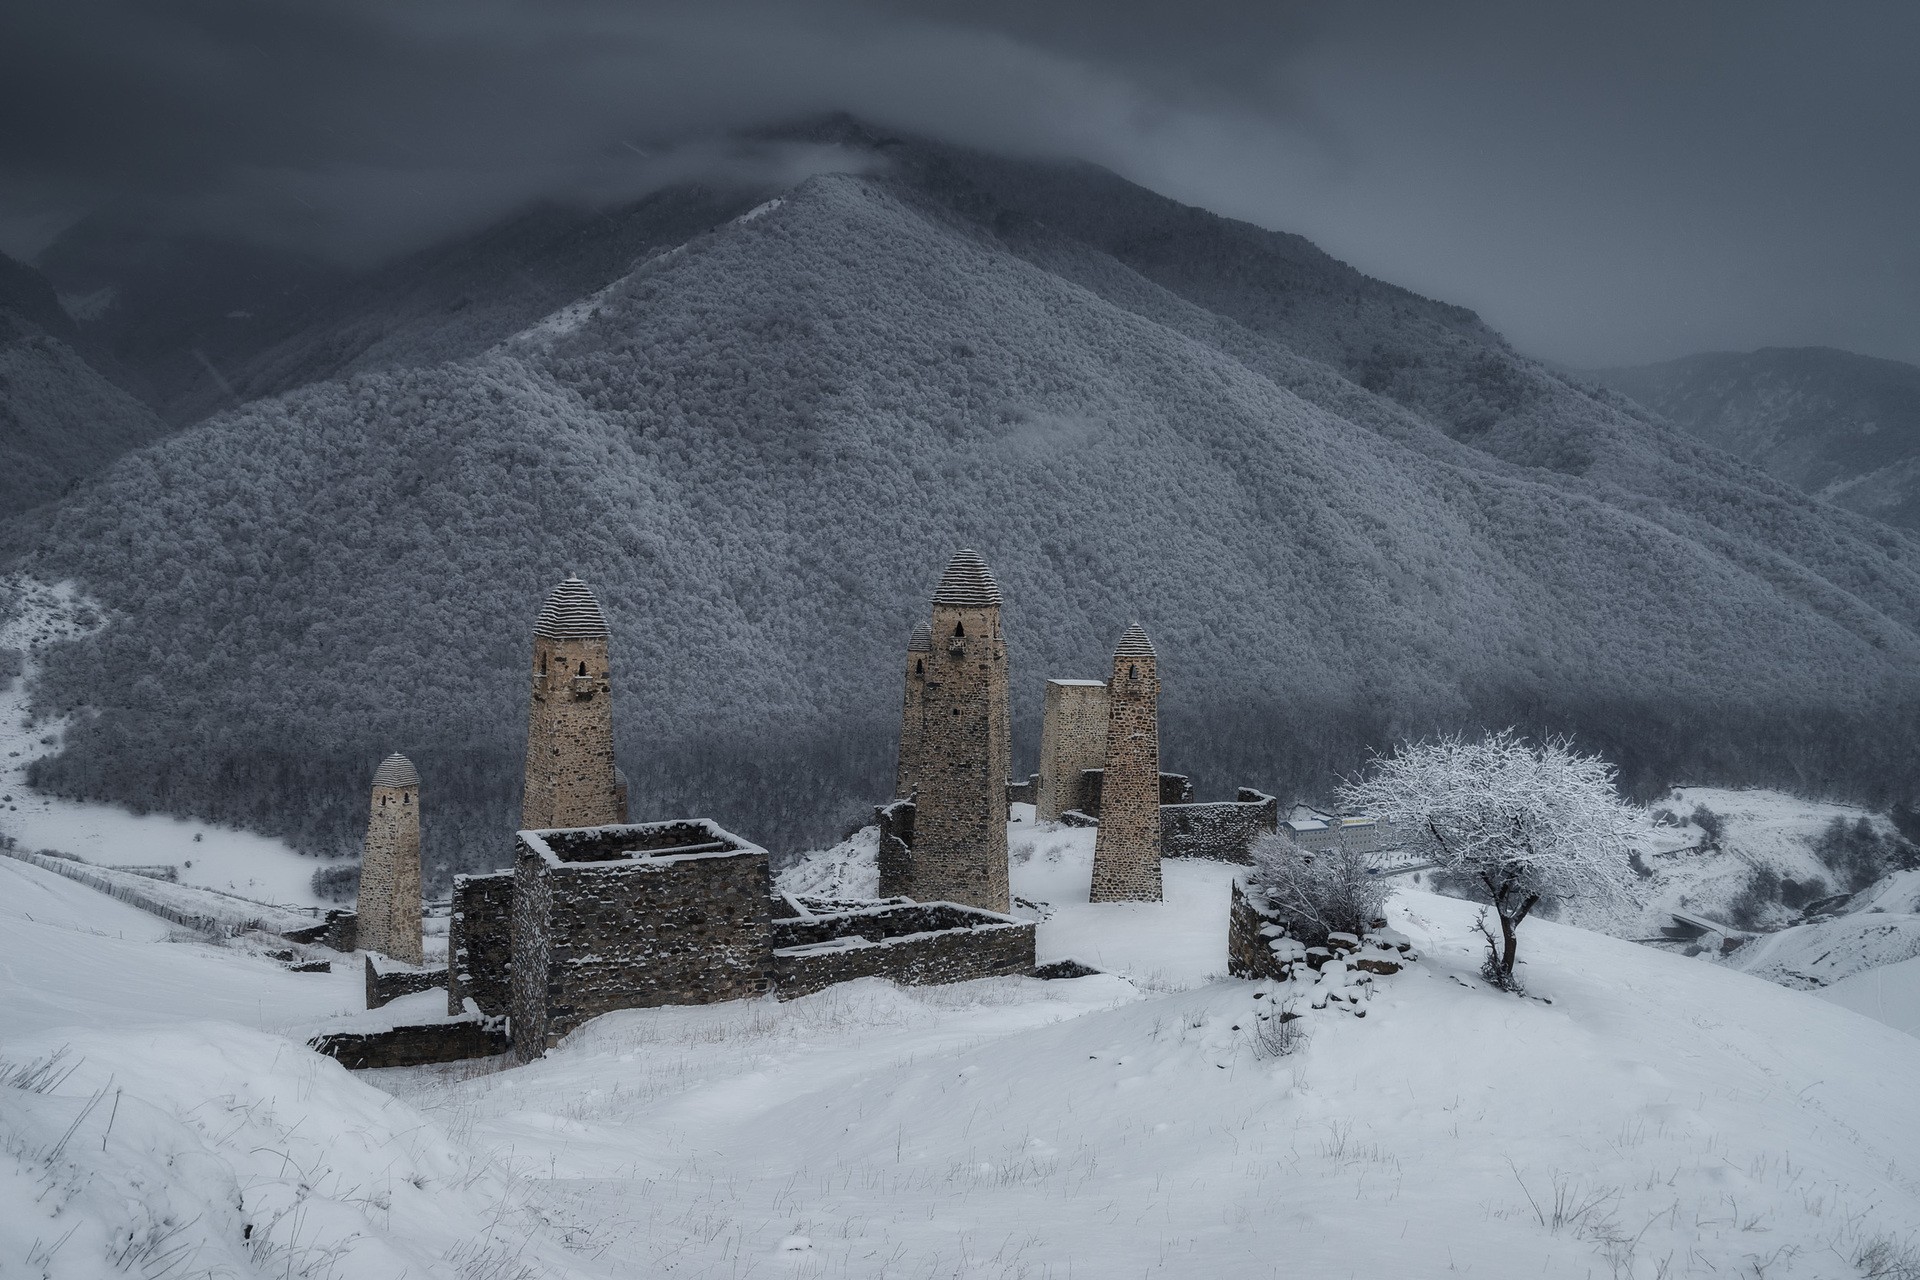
[1524, 819]
[1316, 894]
[1710, 823]
[1278, 1034]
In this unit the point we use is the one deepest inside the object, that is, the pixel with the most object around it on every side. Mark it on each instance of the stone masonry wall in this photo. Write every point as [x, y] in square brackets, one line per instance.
[1126, 856]
[1248, 955]
[960, 827]
[1175, 788]
[389, 902]
[1224, 832]
[912, 717]
[413, 1046]
[896, 848]
[387, 982]
[916, 945]
[480, 943]
[1073, 739]
[570, 779]
[597, 929]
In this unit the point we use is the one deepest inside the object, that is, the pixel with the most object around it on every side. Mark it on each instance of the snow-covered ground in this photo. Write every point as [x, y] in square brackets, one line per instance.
[72, 956]
[1659, 1117]
[1889, 994]
[234, 861]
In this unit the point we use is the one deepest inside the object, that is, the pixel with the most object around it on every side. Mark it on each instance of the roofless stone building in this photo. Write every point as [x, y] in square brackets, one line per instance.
[1073, 739]
[963, 750]
[1126, 855]
[389, 906]
[571, 780]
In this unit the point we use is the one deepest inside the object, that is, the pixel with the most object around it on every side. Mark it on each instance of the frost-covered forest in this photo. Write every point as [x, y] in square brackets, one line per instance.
[1346, 514]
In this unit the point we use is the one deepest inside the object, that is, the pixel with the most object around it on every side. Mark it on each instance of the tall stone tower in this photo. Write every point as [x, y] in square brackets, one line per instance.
[960, 820]
[1073, 739]
[571, 779]
[919, 654]
[1126, 852]
[389, 907]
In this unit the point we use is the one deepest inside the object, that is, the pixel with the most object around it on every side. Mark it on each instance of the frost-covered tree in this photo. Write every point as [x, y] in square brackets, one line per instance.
[1522, 819]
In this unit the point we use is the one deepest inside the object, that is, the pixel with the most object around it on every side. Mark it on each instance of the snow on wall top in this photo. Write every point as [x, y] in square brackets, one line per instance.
[571, 613]
[1134, 644]
[921, 641]
[967, 582]
[396, 771]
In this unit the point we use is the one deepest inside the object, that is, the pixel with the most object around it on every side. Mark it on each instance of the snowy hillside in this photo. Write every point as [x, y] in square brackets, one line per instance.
[1659, 1117]
[1844, 426]
[760, 446]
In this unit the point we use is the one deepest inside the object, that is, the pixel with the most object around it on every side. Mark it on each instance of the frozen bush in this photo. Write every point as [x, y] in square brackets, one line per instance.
[1317, 893]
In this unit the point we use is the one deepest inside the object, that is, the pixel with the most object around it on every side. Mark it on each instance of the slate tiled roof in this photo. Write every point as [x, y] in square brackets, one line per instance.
[968, 583]
[396, 771]
[1134, 644]
[571, 613]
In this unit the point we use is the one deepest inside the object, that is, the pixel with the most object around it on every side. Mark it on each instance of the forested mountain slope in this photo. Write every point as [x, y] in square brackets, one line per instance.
[60, 420]
[760, 448]
[1844, 426]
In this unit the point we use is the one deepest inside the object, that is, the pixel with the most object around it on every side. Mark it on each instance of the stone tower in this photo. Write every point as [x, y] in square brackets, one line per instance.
[389, 907]
[960, 820]
[1126, 852]
[571, 779]
[919, 654]
[1073, 739]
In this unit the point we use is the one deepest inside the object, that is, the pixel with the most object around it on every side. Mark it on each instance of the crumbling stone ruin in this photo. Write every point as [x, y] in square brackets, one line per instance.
[1224, 831]
[480, 943]
[389, 907]
[631, 917]
[571, 780]
[1126, 858]
[1338, 972]
[914, 943]
[1073, 739]
[959, 851]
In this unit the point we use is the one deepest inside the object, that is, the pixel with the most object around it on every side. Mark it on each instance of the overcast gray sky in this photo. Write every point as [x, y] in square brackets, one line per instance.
[1605, 183]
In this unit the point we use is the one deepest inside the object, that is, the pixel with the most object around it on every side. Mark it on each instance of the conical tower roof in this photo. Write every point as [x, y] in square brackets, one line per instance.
[571, 613]
[922, 639]
[967, 583]
[1134, 644]
[396, 771]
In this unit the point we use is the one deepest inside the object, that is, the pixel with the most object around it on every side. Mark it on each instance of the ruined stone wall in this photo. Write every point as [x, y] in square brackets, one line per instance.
[916, 945]
[1248, 955]
[1126, 856]
[414, 1046]
[570, 779]
[387, 982]
[896, 848]
[389, 901]
[960, 827]
[480, 943]
[1224, 831]
[598, 926]
[1027, 792]
[1073, 739]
